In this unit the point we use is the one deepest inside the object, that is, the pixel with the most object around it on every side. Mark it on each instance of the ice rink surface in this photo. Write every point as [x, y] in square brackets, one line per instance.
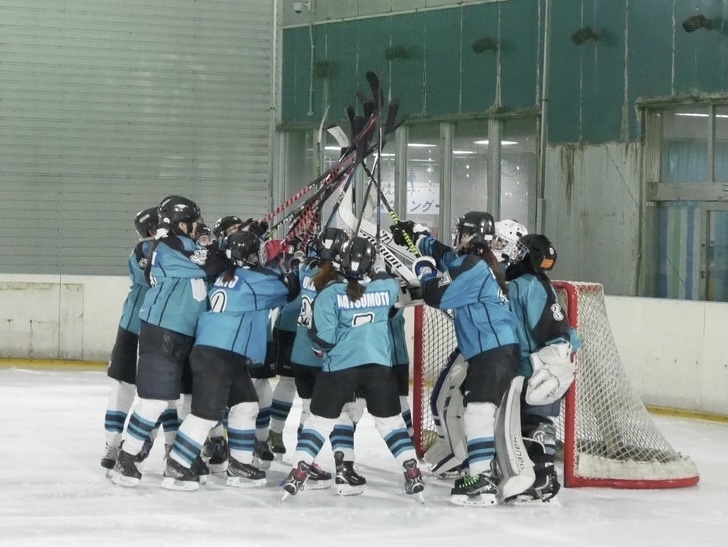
[54, 492]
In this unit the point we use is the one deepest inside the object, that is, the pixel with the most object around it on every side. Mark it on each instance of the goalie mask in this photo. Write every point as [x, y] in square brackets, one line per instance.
[357, 257]
[540, 254]
[243, 248]
[475, 230]
[146, 221]
[506, 245]
[329, 243]
[176, 210]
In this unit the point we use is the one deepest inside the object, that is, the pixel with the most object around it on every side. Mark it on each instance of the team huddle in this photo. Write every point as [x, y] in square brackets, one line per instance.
[213, 315]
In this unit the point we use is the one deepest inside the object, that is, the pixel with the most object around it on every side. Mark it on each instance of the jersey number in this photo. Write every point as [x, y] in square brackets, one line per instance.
[218, 301]
[360, 319]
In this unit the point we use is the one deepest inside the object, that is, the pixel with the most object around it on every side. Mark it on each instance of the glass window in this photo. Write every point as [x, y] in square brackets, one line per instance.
[685, 132]
[717, 257]
[519, 171]
[423, 176]
[721, 144]
[375, 208]
[469, 168]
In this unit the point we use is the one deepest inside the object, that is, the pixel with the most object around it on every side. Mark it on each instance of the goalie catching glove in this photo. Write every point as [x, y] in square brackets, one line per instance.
[407, 228]
[553, 373]
[424, 268]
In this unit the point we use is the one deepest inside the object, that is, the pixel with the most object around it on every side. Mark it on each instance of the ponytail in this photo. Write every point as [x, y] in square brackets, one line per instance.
[495, 266]
[354, 290]
[229, 272]
[325, 275]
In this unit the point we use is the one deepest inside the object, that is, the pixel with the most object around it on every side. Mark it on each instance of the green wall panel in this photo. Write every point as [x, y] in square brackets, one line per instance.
[445, 49]
[520, 53]
[479, 71]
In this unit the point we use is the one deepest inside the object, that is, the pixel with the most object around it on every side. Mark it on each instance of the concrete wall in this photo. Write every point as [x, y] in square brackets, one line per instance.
[675, 352]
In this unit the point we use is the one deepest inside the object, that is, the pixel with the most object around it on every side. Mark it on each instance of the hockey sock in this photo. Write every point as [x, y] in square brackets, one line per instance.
[141, 423]
[169, 420]
[313, 436]
[120, 400]
[241, 431]
[479, 422]
[265, 398]
[394, 433]
[342, 436]
[190, 439]
[283, 395]
[406, 415]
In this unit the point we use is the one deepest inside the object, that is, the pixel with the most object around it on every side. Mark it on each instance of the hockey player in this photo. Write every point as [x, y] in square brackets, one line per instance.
[228, 338]
[400, 365]
[349, 328]
[546, 344]
[472, 285]
[123, 363]
[178, 296]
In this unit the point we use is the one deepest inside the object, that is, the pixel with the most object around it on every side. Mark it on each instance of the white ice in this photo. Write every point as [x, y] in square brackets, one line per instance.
[54, 492]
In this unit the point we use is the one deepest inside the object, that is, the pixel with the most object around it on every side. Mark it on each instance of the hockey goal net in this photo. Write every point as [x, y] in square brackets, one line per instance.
[609, 438]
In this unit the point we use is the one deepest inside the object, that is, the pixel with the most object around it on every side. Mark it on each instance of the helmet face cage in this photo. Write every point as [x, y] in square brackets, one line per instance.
[146, 221]
[328, 245]
[540, 253]
[506, 244]
[478, 227]
[243, 248]
[357, 257]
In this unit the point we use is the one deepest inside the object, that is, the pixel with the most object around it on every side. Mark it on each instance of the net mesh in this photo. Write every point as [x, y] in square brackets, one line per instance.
[605, 428]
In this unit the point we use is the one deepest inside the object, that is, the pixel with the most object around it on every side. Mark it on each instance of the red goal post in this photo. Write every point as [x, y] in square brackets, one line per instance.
[609, 439]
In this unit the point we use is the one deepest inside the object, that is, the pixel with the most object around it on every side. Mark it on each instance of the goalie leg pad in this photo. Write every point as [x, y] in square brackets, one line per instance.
[515, 466]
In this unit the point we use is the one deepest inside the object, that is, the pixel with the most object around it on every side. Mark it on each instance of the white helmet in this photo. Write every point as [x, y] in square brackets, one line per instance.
[506, 245]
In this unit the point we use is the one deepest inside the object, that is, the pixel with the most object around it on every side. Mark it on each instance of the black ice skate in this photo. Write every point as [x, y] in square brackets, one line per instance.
[295, 480]
[109, 459]
[179, 477]
[476, 490]
[216, 453]
[276, 445]
[544, 488]
[318, 478]
[244, 475]
[262, 456]
[348, 481]
[413, 485]
[146, 449]
[200, 469]
[125, 470]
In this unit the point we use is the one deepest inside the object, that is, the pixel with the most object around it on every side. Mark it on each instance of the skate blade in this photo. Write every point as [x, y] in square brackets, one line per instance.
[120, 480]
[242, 482]
[480, 500]
[170, 483]
[535, 502]
[349, 490]
[317, 485]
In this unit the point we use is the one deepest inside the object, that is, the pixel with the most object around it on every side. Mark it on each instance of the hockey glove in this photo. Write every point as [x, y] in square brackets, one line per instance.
[272, 252]
[553, 373]
[424, 268]
[258, 227]
[408, 227]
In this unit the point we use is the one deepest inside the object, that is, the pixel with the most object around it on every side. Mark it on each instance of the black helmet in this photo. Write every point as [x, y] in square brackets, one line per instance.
[480, 225]
[222, 225]
[329, 242]
[541, 255]
[146, 221]
[357, 257]
[175, 209]
[242, 247]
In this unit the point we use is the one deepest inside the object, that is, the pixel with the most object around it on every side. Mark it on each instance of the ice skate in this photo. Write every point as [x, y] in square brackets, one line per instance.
[475, 490]
[179, 477]
[108, 461]
[318, 478]
[146, 449]
[276, 445]
[348, 481]
[543, 490]
[200, 469]
[296, 480]
[262, 456]
[216, 453]
[244, 475]
[413, 485]
[125, 470]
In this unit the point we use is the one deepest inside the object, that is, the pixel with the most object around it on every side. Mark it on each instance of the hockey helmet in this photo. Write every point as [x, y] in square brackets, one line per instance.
[506, 244]
[540, 254]
[175, 209]
[357, 256]
[329, 243]
[243, 248]
[478, 226]
[145, 221]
